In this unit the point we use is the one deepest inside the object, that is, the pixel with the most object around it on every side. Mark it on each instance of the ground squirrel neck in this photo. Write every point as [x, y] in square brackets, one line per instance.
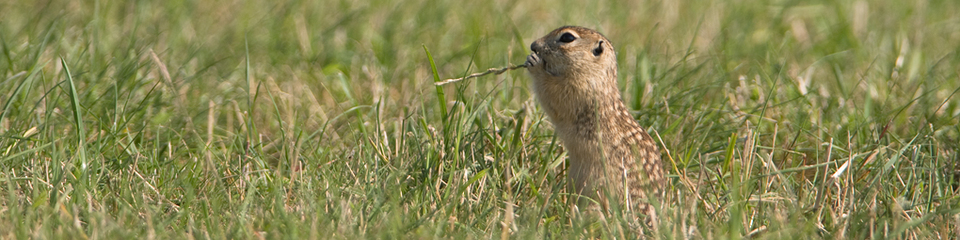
[574, 73]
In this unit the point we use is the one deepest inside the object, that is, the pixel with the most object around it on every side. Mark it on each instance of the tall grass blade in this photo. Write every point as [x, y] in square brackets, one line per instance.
[77, 117]
[436, 78]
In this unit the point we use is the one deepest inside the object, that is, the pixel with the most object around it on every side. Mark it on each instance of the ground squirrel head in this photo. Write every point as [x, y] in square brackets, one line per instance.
[570, 53]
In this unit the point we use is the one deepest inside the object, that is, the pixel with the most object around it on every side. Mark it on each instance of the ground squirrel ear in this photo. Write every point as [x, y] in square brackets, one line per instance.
[597, 51]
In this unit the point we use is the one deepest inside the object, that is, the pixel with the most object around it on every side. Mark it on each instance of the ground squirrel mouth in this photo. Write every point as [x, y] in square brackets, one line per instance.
[533, 59]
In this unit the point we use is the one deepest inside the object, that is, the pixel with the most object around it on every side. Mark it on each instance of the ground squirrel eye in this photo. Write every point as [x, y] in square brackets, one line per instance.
[567, 37]
[597, 51]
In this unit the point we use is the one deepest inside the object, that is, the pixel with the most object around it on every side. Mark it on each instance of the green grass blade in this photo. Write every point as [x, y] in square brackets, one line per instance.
[27, 81]
[436, 78]
[77, 117]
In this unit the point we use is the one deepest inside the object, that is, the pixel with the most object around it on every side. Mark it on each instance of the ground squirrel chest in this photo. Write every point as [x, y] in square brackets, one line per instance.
[612, 159]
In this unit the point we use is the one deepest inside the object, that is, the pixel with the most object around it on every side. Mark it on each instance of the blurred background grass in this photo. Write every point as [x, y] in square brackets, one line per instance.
[318, 119]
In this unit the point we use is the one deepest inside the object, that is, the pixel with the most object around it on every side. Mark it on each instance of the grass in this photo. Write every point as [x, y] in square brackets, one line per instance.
[263, 119]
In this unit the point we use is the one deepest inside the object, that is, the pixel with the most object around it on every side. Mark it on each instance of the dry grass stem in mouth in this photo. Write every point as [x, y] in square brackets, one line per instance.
[496, 71]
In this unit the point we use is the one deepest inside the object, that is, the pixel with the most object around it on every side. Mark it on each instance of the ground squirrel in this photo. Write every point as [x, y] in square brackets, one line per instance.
[574, 73]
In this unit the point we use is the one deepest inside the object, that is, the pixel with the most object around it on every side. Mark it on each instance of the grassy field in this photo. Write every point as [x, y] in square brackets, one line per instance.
[318, 119]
